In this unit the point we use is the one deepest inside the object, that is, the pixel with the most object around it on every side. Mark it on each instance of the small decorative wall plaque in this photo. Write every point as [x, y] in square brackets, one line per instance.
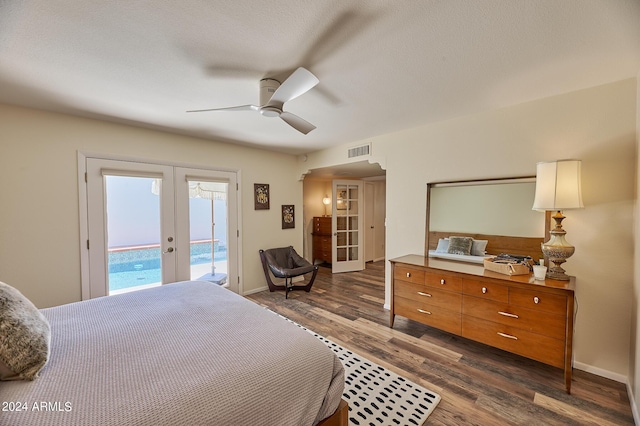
[261, 194]
[288, 217]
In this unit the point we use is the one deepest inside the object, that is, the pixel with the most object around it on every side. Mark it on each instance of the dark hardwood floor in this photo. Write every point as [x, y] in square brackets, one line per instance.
[479, 385]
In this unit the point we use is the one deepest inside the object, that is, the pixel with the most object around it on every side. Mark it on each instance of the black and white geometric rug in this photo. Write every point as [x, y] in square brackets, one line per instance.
[377, 396]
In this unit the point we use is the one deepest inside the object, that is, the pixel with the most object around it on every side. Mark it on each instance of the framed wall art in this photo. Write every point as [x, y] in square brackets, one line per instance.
[288, 217]
[261, 196]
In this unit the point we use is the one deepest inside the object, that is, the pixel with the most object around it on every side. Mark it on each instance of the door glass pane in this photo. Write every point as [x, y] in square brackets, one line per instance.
[353, 238]
[208, 231]
[341, 199]
[342, 254]
[133, 234]
[353, 253]
[341, 223]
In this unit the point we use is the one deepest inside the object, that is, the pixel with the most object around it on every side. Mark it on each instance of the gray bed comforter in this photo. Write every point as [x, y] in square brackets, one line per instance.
[188, 353]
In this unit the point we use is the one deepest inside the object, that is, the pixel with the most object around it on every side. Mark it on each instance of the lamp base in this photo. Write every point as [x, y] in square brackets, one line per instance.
[557, 250]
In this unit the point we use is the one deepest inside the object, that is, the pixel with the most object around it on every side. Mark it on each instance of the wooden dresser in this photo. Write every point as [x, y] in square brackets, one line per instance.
[530, 318]
[322, 238]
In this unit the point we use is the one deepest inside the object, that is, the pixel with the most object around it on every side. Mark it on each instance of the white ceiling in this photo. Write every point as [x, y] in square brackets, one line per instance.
[383, 65]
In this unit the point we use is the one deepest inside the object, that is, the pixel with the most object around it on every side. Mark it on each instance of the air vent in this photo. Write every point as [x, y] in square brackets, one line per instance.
[359, 151]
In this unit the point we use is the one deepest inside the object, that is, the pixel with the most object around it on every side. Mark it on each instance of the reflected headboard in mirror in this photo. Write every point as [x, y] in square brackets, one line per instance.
[497, 210]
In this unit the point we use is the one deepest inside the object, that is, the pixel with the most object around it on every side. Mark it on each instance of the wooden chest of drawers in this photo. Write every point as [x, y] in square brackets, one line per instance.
[530, 318]
[321, 238]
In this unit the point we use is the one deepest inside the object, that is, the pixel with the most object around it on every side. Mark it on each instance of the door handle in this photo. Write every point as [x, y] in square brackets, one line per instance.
[169, 250]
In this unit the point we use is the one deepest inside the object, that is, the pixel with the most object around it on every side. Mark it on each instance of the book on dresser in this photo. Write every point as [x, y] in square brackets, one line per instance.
[321, 238]
[515, 313]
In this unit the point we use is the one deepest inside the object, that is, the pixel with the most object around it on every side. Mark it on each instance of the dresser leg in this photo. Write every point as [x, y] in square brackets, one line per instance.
[567, 378]
[391, 318]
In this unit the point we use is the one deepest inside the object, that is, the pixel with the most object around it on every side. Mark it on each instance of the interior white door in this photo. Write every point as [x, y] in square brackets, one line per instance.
[143, 228]
[369, 222]
[346, 225]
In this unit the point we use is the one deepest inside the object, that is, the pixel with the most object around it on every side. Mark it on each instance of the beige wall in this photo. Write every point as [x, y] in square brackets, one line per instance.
[39, 224]
[634, 355]
[596, 125]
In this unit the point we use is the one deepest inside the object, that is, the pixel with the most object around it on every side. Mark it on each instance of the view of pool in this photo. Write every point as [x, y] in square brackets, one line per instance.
[130, 268]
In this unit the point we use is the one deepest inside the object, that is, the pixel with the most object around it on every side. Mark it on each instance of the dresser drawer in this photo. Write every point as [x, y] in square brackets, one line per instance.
[427, 297]
[322, 225]
[531, 345]
[486, 290]
[549, 324]
[443, 281]
[321, 243]
[434, 316]
[538, 300]
[409, 275]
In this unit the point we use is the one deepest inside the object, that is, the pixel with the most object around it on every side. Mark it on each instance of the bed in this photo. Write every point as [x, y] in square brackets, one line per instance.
[494, 245]
[188, 353]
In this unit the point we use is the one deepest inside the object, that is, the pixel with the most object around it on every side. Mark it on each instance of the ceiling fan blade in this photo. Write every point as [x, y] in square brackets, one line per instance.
[235, 108]
[297, 123]
[301, 81]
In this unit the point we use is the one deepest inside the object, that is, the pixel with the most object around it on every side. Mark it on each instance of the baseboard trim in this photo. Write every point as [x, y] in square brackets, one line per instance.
[255, 290]
[634, 407]
[600, 372]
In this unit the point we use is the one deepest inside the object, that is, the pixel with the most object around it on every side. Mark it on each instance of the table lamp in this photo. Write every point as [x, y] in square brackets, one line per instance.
[558, 188]
[326, 201]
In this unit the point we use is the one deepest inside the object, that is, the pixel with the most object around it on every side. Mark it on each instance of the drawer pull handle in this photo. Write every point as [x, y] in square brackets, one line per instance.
[424, 294]
[484, 290]
[422, 311]
[508, 336]
[442, 281]
[536, 300]
[408, 274]
[507, 314]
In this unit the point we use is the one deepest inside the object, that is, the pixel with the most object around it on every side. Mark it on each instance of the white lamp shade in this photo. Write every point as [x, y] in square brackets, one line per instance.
[558, 185]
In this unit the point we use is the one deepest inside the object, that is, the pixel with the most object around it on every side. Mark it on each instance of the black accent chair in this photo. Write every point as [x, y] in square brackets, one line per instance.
[285, 263]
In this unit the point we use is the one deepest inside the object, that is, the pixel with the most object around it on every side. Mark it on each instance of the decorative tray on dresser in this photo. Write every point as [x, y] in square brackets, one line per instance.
[530, 318]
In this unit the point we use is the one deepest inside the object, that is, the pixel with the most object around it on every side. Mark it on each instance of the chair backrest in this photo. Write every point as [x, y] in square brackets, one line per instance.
[280, 257]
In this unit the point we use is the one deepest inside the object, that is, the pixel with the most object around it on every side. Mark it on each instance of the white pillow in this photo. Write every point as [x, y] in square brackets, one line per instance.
[478, 247]
[443, 245]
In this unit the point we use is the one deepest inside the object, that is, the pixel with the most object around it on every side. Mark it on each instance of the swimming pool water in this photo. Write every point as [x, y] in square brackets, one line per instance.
[132, 268]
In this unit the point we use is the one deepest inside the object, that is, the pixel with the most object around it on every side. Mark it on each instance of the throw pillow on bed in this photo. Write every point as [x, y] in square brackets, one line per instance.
[478, 247]
[24, 336]
[443, 245]
[460, 245]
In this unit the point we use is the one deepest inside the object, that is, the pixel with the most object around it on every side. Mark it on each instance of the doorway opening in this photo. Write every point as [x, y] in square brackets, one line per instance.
[363, 220]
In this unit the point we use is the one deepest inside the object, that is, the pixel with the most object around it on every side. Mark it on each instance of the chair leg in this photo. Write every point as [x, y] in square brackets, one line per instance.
[288, 286]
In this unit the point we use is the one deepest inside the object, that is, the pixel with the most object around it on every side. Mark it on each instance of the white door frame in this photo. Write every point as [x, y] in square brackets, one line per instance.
[85, 272]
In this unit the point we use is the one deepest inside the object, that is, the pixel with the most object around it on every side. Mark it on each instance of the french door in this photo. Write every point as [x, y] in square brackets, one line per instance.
[152, 224]
[347, 249]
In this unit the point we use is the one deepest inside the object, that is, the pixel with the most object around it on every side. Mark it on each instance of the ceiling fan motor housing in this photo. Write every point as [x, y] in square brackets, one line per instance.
[268, 87]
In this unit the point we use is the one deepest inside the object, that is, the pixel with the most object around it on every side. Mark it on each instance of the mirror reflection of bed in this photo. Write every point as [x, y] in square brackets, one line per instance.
[497, 211]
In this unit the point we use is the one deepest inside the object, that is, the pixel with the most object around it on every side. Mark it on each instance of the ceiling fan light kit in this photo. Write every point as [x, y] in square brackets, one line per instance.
[273, 95]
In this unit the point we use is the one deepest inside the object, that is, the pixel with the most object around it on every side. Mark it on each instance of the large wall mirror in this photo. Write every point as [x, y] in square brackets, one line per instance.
[487, 209]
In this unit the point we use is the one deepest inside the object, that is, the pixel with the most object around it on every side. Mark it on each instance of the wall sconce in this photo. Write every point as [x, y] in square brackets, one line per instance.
[558, 188]
[326, 201]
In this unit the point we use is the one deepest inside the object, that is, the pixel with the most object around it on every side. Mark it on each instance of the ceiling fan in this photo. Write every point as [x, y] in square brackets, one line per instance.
[273, 95]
